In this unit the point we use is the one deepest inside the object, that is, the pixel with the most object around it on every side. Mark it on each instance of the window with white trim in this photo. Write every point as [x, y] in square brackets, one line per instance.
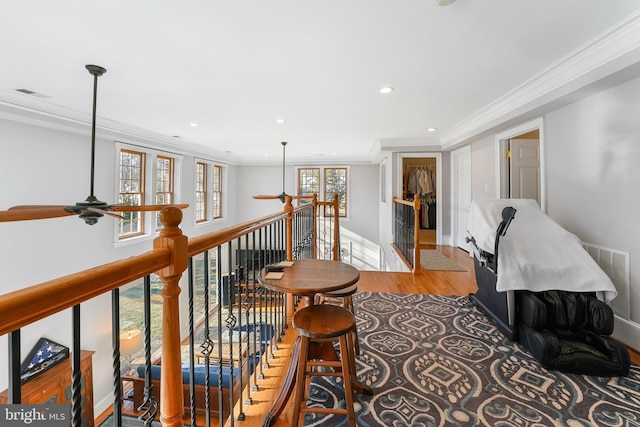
[209, 191]
[326, 182]
[145, 177]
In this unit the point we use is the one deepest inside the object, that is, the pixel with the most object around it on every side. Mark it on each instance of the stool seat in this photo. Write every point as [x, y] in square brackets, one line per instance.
[340, 293]
[323, 321]
[345, 298]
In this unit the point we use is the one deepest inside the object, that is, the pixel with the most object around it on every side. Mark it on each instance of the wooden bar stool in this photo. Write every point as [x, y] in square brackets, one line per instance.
[321, 324]
[345, 298]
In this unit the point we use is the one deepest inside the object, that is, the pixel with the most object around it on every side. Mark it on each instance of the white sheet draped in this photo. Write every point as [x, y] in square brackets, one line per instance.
[535, 254]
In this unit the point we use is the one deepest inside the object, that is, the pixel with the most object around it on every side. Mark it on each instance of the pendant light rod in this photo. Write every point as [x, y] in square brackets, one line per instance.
[284, 144]
[96, 71]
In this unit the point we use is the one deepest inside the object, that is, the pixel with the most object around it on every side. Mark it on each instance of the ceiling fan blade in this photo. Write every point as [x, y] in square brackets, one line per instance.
[103, 212]
[281, 196]
[144, 208]
[25, 213]
[19, 207]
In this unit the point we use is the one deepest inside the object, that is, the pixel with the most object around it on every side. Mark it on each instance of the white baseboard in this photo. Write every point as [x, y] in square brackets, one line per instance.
[627, 332]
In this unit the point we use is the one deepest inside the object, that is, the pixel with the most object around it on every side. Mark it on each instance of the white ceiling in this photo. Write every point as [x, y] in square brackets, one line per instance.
[234, 67]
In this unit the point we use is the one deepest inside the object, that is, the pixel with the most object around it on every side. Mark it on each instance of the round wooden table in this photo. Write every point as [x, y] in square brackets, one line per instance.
[307, 278]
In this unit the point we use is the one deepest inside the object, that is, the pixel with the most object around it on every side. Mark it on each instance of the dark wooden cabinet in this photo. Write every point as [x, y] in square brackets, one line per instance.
[54, 386]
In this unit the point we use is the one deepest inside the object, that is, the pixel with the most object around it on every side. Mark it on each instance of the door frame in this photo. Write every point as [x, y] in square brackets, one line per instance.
[455, 180]
[502, 173]
[438, 157]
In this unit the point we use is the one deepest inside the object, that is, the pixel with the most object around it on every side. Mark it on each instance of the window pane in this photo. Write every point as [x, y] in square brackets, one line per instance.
[131, 191]
[163, 184]
[201, 192]
[336, 184]
[216, 192]
[308, 183]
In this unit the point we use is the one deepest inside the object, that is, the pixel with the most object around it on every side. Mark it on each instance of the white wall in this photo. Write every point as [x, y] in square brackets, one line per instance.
[267, 179]
[592, 154]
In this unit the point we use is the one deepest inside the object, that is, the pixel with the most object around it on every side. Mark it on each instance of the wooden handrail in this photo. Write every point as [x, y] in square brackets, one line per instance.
[403, 202]
[25, 306]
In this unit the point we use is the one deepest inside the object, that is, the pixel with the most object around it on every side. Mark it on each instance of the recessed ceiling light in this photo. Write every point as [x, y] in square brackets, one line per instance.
[194, 125]
[432, 130]
[386, 89]
[279, 121]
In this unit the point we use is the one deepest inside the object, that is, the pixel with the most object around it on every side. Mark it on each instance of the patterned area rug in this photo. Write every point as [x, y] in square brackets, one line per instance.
[434, 260]
[437, 361]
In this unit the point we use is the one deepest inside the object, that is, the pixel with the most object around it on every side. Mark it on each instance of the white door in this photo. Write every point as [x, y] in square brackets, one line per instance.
[524, 169]
[461, 161]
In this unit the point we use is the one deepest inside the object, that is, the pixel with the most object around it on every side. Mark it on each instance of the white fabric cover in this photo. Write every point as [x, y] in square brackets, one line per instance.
[535, 254]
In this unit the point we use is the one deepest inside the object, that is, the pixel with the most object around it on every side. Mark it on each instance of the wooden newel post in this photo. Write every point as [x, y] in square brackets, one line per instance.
[416, 234]
[171, 237]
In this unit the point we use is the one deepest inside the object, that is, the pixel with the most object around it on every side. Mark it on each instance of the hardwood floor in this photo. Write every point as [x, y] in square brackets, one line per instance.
[428, 282]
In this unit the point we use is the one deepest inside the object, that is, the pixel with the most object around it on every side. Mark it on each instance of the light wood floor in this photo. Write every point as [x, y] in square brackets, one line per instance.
[429, 282]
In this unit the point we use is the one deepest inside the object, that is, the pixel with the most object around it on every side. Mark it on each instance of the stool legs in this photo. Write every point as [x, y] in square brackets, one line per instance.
[344, 368]
[348, 304]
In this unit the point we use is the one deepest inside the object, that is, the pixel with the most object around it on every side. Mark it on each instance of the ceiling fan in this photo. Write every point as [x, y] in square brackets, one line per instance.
[282, 195]
[91, 209]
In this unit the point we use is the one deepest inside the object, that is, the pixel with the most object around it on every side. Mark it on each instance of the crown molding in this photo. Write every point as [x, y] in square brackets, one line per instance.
[605, 56]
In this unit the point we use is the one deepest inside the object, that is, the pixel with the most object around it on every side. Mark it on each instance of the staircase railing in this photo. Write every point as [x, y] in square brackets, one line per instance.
[231, 260]
[406, 231]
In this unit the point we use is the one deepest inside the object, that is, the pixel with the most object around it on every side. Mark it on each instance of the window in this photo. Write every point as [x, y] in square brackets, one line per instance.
[131, 192]
[145, 177]
[326, 182]
[308, 182]
[209, 191]
[335, 184]
[164, 184]
[201, 192]
[216, 192]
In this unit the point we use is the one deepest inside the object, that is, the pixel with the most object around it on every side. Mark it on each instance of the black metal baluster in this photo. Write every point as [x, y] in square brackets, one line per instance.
[149, 404]
[192, 381]
[230, 323]
[76, 383]
[15, 383]
[115, 342]
[241, 298]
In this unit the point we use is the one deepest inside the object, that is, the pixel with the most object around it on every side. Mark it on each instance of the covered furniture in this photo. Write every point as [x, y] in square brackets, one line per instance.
[521, 259]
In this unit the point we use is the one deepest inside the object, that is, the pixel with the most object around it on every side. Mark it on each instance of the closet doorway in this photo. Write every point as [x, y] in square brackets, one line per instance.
[421, 175]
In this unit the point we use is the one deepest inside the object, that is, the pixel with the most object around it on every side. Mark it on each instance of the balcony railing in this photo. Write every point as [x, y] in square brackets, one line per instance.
[406, 231]
[214, 370]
